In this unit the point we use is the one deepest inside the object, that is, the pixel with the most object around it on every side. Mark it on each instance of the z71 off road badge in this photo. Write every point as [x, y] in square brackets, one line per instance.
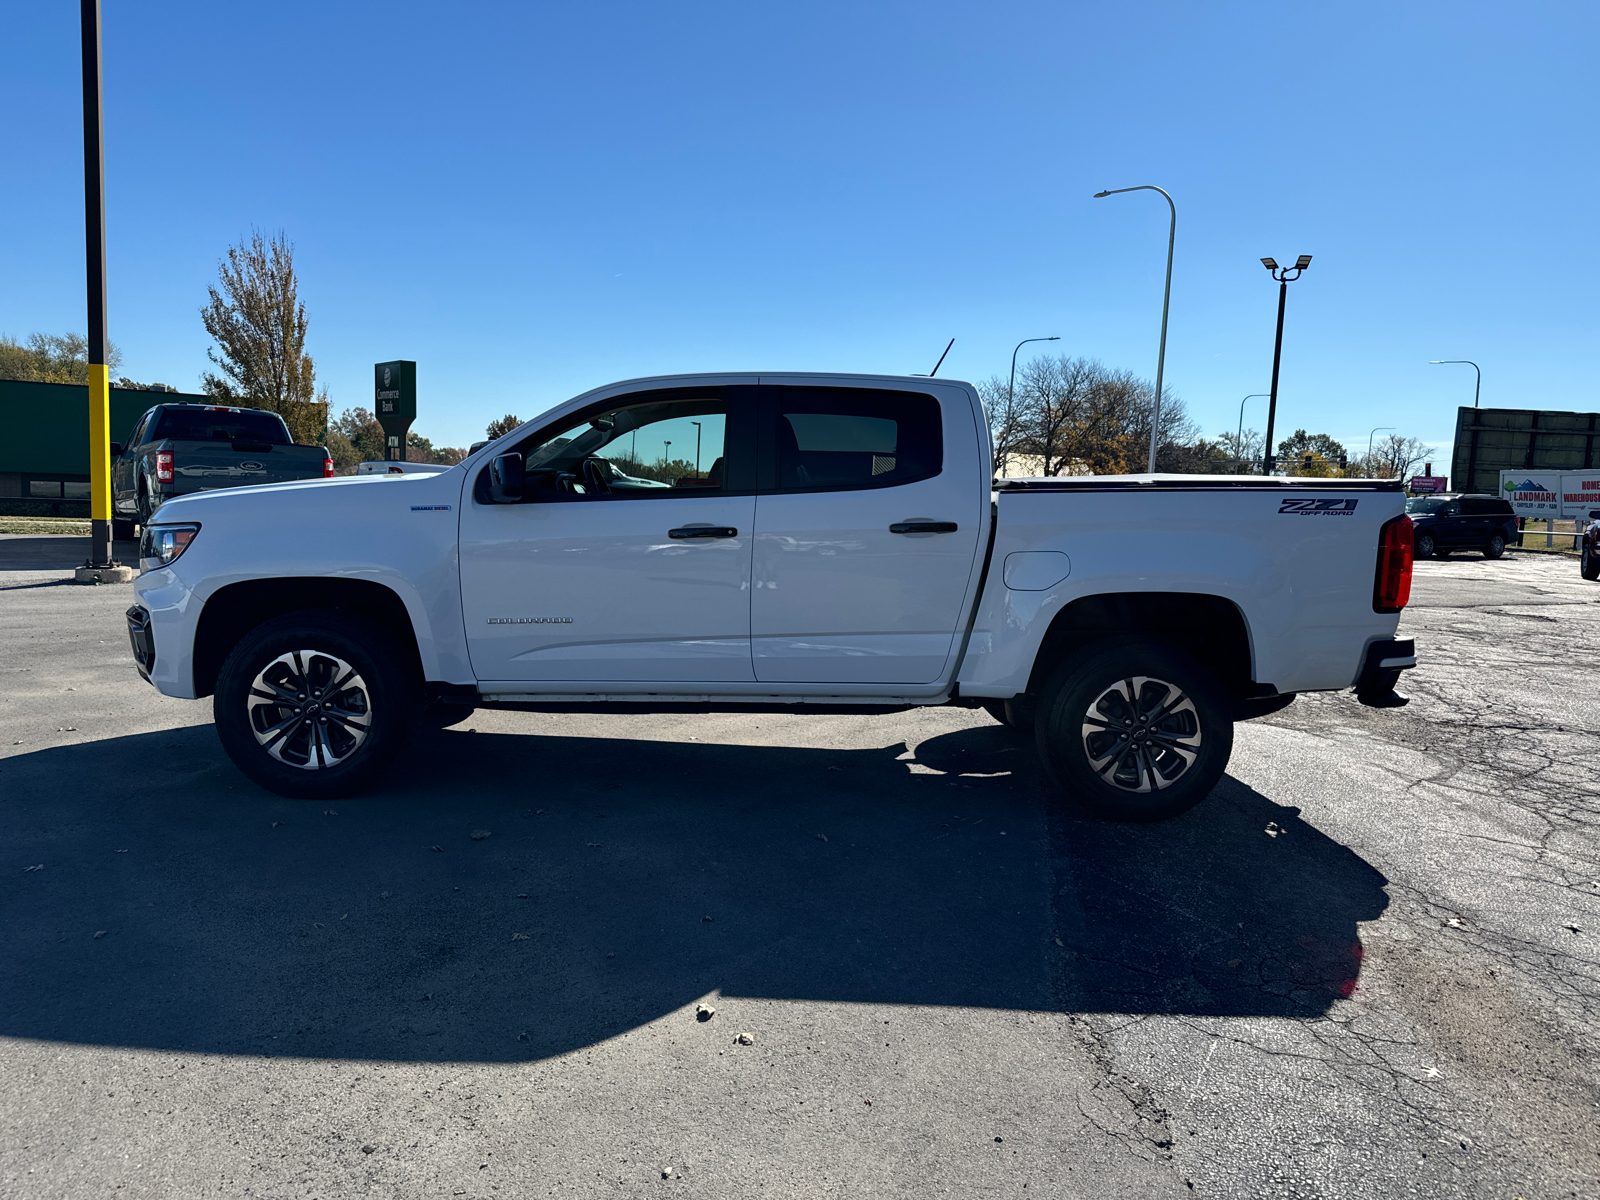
[1317, 508]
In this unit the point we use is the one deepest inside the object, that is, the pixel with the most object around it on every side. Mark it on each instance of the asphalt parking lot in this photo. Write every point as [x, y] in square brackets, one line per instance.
[1366, 966]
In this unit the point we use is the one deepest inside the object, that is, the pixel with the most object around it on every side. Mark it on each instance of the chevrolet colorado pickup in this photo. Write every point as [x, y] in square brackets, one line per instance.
[838, 542]
[179, 449]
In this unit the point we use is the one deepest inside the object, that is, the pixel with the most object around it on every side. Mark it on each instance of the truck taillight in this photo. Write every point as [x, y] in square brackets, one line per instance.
[1392, 587]
[327, 468]
[163, 466]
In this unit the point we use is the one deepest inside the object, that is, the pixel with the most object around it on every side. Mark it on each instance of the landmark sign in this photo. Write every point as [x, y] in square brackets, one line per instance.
[394, 401]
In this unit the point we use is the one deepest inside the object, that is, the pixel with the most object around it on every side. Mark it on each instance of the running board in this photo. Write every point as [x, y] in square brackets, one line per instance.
[720, 699]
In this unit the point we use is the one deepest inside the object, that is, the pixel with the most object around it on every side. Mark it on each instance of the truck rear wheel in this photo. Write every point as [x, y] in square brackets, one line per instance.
[313, 705]
[1135, 730]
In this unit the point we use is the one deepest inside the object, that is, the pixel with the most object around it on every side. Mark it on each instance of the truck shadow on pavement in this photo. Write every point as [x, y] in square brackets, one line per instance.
[621, 880]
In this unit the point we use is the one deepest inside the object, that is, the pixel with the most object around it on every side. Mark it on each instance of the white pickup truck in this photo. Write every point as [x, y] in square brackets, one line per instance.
[835, 541]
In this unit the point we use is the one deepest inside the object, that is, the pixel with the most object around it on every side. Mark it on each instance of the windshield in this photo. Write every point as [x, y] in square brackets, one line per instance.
[220, 425]
[1423, 505]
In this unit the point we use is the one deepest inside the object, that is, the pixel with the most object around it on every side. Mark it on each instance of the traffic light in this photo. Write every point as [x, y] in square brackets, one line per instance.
[1344, 462]
[1306, 460]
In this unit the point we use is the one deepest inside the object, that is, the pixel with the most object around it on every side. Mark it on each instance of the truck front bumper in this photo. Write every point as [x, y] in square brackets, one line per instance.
[1380, 671]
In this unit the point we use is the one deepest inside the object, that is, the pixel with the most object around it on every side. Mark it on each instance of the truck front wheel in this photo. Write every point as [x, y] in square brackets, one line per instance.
[1135, 730]
[313, 705]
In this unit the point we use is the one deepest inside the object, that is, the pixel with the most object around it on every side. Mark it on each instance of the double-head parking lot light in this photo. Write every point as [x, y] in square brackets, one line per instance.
[1284, 276]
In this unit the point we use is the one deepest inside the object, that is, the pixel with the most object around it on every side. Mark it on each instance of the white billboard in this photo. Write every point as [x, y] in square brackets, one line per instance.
[1561, 494]
[1532, 493]
[1580, 493]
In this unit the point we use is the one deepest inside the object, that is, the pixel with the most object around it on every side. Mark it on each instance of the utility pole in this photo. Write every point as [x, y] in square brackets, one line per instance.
[100, 566]
[1285, 276]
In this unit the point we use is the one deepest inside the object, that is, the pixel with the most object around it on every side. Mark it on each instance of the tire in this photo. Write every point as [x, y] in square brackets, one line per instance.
[440, 715]
[1426, 547]
[1016, 713]
[1589, 565]
[1089, 694]
[355, 735]
[1496, 546]
[121, 531]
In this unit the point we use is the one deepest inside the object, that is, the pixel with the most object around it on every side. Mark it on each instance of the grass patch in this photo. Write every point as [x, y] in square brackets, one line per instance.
[63, 525]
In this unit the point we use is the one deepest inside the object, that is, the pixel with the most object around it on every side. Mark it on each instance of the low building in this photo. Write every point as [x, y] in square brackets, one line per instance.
[44, 442]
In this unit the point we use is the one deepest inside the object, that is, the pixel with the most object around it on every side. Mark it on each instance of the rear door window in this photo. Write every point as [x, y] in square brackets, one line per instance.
[220, 425]
[833, 439]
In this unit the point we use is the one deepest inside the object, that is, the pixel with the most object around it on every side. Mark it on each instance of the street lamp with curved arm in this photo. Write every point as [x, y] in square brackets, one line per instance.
[1476, 387]
[1166, 300]
[1239, 437]
[1371, 435]
[1011, 387]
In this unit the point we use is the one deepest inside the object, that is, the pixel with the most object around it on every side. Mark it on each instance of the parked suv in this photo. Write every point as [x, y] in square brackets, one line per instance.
[1462, 522]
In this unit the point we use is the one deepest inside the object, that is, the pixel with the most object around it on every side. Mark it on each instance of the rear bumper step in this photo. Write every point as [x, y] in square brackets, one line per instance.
[1381, 671]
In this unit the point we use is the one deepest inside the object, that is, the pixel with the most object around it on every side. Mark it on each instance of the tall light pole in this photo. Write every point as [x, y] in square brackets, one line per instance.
[1285, 276]
[1477, 387]
[1166, 299]
[696, 425]
[1011, 387]
[99, 349]
[1238, 438]
[666, 453]
[1370, 436]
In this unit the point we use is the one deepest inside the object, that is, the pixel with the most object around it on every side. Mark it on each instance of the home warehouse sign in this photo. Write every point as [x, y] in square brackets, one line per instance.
[394, 400]
[1565, 495]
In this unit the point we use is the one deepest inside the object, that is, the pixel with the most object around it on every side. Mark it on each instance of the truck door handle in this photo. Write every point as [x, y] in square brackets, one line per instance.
[703, 531]
[923, 527]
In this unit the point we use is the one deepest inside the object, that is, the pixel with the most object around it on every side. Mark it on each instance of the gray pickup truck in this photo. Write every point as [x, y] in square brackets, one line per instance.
[179, 449]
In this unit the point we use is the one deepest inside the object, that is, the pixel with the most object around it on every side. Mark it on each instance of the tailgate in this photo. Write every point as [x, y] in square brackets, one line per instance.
[200, 466]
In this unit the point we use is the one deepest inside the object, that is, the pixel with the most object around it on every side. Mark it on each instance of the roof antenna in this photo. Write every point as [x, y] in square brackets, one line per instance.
[940, 363]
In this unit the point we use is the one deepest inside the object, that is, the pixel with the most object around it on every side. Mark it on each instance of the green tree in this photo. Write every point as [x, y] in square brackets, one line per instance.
[360, 429]
[502, 427]
[259, 325]
[49, 358]
[1301, 442]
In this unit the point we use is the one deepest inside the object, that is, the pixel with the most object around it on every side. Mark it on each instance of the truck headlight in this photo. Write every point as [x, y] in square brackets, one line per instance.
[161, 545]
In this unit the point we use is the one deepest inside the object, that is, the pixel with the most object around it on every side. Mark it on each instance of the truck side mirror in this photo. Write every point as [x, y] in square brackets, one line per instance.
[505, 479]
[116, 449]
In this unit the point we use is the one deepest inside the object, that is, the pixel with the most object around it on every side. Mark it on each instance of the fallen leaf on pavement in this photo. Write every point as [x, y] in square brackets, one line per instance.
[745, 1039]
[519, 937]
[822, 837]
[440, 849]
[704, 1012]
[100, 933]
[479, 834]
[36, 867]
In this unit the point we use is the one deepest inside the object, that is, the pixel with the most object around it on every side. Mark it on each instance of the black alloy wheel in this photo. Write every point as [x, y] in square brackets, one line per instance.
[1136, 730]
[1496, 545]
[1426, 546]
[313, 704]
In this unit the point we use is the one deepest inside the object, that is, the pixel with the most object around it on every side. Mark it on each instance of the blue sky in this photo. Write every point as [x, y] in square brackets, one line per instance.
[533, 199]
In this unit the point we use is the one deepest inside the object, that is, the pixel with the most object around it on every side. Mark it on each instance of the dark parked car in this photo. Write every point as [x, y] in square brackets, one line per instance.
[1589, 563]
[176, 449]
[1446, 523]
